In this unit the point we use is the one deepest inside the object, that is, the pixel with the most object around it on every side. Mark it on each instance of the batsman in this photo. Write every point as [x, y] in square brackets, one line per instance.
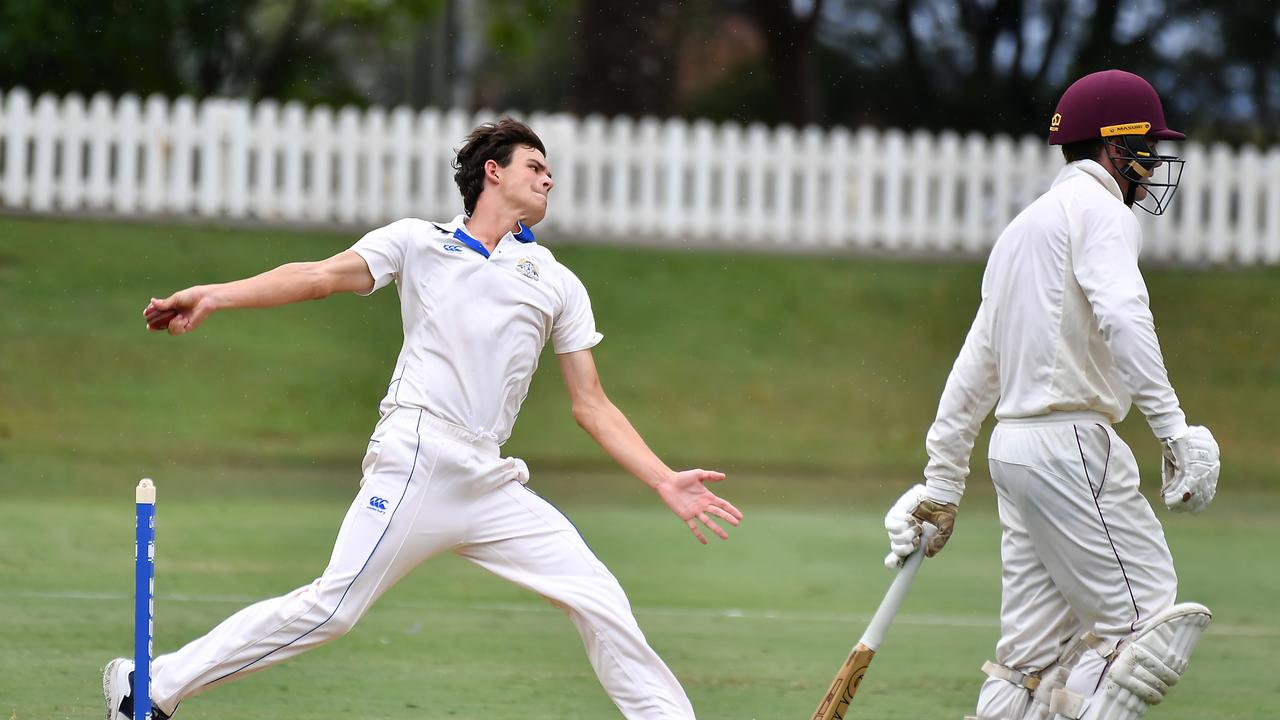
[1062, 345]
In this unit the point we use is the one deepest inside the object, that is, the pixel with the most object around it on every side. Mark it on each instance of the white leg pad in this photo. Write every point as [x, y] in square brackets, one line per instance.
[1065, 705]
[1148, 664]
[1030, 696]
[1051, 681]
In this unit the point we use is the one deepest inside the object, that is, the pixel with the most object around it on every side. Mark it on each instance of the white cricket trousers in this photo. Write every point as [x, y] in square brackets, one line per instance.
[428, 487]
[1080, 547]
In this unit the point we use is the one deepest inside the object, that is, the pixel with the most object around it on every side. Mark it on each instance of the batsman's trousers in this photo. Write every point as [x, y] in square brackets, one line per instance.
[429, 487]
[1080, 548]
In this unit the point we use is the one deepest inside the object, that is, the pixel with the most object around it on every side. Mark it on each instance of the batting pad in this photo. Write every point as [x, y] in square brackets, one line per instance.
[1148, 664]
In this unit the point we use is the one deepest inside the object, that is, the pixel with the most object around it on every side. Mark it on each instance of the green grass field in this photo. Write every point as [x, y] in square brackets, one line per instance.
[810, 381]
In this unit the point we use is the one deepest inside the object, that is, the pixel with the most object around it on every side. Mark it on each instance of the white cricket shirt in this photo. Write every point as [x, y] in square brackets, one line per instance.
[1064, 326]
[474, 323]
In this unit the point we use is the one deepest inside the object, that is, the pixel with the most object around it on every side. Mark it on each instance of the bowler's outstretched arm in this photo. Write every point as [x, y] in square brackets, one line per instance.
[184, 310]
[684, 492]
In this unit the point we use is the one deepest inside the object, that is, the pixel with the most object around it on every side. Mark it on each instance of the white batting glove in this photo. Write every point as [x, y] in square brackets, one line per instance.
[904, 534]
[903, 524]
[1189, 470]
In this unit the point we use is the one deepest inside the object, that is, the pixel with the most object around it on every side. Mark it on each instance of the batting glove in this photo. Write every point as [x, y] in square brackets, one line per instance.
[903, 524]
[1189, 470]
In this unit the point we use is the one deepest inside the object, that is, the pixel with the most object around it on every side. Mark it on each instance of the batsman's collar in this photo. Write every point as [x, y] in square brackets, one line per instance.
[1093, 170]
[459, 230]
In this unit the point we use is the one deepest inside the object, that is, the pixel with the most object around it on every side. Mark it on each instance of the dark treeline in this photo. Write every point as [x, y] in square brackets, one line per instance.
[983, 65]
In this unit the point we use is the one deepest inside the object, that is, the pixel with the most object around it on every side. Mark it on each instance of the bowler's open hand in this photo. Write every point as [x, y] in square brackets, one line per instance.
[688, 497]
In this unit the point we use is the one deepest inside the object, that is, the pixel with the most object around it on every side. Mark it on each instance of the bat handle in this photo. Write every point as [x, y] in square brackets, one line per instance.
[879, 624]
[836, 702]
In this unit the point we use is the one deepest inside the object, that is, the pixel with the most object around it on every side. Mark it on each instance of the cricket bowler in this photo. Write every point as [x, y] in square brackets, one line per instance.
[1063, 343]
[479, 299]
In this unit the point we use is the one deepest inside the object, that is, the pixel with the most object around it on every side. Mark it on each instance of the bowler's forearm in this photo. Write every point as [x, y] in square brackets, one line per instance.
[286, 284]
[611, 430]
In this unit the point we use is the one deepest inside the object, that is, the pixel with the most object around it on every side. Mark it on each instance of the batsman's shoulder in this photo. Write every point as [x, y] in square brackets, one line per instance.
[1101, 213]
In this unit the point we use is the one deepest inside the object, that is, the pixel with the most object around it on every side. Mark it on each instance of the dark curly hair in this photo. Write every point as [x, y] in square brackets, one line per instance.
[491, 141]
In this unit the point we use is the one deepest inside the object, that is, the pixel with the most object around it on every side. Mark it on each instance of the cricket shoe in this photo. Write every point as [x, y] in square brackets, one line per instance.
[117, 688]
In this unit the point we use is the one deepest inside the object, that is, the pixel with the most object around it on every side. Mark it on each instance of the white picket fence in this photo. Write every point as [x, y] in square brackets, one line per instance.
[618, 180]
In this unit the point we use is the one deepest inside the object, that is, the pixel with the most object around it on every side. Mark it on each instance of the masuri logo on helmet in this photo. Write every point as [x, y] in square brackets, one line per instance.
[1139, 128]
[1125, 112]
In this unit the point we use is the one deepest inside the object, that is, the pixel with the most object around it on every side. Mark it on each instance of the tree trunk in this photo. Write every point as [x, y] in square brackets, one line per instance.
[625, 60]
[790, 43]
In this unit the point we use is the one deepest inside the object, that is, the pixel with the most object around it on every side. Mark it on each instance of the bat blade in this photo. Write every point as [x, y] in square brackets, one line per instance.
[836, 701]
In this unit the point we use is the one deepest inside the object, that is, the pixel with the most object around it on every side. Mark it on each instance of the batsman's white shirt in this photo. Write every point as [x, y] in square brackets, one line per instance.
[1064, 326]
[474, 323]
[1064, 341]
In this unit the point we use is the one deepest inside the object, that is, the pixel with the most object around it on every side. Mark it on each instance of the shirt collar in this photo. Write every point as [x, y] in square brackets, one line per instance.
[459, 229]
[1093, 170]
[525, 234]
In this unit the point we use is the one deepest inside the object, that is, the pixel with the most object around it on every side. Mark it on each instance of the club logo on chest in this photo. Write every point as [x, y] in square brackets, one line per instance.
[528, 268]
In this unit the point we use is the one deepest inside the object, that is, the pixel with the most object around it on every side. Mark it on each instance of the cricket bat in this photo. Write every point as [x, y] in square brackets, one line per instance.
[836, 702]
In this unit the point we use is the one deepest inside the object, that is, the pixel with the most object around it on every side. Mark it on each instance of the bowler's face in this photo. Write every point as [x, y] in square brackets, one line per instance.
[527, 181]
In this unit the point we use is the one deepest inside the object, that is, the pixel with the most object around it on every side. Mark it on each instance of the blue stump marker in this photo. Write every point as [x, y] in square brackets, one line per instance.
[144, 568]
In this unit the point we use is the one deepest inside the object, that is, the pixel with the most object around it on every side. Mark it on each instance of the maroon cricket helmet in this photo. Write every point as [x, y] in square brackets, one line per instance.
[1107, 104]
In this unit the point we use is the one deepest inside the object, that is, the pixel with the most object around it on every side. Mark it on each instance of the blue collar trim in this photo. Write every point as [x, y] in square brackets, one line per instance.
[525, 235]
[470, 242]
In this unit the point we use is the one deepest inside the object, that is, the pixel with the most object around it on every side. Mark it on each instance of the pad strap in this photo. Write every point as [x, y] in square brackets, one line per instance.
[1027, 681]
[1097, 644]
[1066, 703]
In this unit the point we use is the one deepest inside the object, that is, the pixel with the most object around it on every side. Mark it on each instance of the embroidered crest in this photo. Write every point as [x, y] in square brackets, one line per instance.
[527, 268]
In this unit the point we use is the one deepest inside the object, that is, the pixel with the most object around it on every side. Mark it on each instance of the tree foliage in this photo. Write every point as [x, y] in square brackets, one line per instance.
[1000, 65]
[985, 65]
[306, 49]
